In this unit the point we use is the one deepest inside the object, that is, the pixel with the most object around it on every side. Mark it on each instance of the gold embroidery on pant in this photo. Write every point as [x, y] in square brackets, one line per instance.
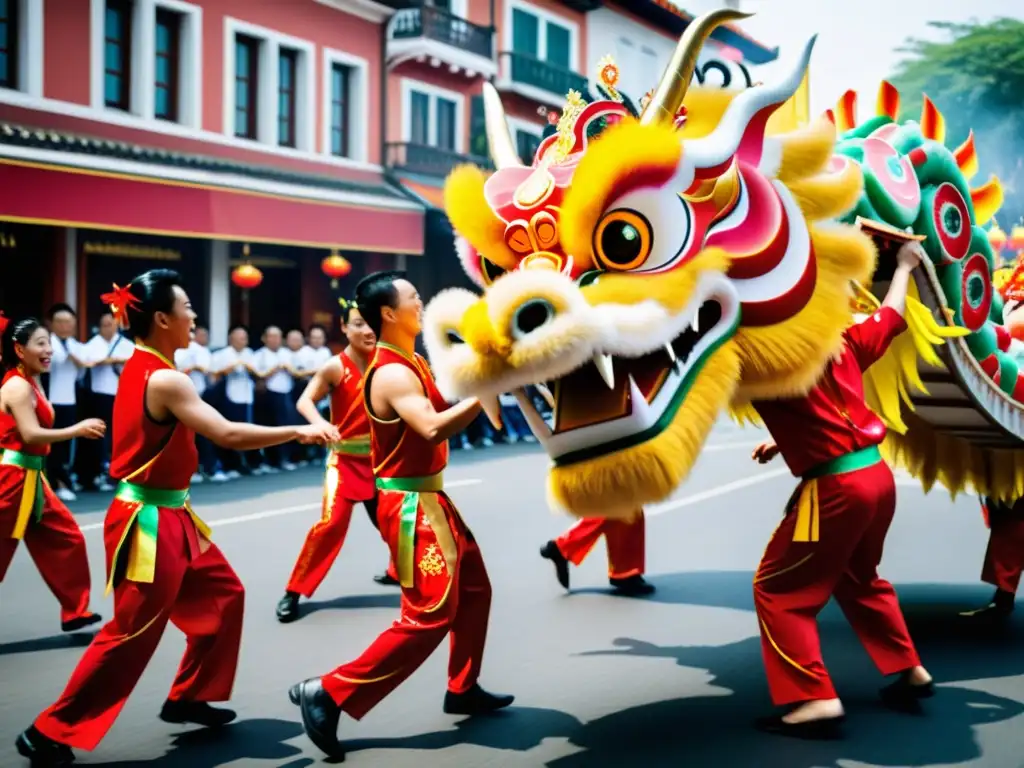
[432, 563]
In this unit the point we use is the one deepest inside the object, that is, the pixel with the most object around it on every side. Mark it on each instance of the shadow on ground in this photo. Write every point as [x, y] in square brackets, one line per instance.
[243, 740]
[59, 642]
[390, 600]
[715, 730]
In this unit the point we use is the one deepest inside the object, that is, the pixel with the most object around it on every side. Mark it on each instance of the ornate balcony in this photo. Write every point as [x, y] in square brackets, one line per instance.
[427, 160]
[432, 34]
[538, 79]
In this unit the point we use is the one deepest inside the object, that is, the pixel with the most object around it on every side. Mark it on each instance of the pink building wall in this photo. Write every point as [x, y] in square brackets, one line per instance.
[66, 50]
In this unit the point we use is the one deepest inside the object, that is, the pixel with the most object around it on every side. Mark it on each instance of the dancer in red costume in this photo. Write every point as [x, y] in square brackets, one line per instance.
[445, 588]
[830, 541]
[349, 476]
[160, 562]
[625, 542]
[1004, 559]
[29, 509]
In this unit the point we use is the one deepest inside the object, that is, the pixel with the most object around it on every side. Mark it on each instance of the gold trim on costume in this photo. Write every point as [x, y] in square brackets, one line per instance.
[768, 637]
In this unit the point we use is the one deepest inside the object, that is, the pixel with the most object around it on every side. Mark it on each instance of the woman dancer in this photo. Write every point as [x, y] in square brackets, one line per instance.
[349, 476]
[29, 509]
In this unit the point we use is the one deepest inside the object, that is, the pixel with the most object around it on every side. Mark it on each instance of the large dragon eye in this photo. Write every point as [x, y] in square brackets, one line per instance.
[622, 240]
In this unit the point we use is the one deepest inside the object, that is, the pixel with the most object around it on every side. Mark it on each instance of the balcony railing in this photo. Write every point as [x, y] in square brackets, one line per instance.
[438, 24]
[526, 70]
[427, 160]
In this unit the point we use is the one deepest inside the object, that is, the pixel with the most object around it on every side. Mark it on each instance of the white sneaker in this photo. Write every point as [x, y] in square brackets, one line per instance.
[287, 466]
[267, 470]
[66, 494]
[197, 478]
[487, 442]
[234, 474]
[104, 486]
[219, 477]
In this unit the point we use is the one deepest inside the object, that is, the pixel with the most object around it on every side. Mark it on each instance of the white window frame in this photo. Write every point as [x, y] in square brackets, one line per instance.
[30, 48]
[544, 16]
[433, 92]
[517, 124]
[271, 43]
[359, 108]
[460, 8]
[142, 88]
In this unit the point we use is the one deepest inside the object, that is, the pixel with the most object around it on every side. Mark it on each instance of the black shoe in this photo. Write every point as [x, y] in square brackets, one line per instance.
[475, 701]
[288, 608]
[80, 622]
[320, 716]
[825, 729]
[550, 551]
[632, 586]
[903, 696]
[198, 712]
[43, 752]
[996, 612]
[386, 580]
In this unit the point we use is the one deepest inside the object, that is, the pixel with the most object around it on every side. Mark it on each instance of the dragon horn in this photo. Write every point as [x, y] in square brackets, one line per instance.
[668, 96]
[503, 151]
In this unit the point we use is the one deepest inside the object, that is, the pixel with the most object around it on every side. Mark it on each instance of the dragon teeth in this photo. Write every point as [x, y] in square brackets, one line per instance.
[603, 363]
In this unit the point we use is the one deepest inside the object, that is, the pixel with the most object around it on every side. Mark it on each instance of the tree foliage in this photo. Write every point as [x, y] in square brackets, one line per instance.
[976, 78]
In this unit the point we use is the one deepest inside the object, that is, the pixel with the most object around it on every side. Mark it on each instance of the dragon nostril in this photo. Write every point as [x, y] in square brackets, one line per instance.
[532, 315]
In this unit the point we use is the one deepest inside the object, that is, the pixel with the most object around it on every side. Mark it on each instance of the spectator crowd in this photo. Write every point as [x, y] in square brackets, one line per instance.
[260, 386]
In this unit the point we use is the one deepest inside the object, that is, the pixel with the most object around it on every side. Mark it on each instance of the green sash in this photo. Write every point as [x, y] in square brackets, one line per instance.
[146, 520]
[356, 446]
[31, 506]
[850, 462]
[411, 488]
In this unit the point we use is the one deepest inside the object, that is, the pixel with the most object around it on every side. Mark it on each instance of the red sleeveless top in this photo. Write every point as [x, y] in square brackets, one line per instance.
[395, 449]
[10, 438]
[348, 413]
[139, 440]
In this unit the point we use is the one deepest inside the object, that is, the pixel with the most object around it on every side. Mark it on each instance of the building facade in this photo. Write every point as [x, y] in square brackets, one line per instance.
[207, 133]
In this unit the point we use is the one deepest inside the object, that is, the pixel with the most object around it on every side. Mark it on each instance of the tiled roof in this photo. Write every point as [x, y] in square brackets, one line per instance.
[41, 138]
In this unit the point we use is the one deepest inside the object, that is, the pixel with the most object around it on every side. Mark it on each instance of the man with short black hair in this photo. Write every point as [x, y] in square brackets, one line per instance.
[445, 588]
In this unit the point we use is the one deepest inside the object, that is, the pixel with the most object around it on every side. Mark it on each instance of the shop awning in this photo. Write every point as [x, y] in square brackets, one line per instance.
[79, 189]
[430, 194]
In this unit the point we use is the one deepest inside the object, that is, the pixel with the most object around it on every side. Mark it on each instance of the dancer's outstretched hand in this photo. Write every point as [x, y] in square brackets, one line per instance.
[90, 429]
[765, 452]
[318, 434]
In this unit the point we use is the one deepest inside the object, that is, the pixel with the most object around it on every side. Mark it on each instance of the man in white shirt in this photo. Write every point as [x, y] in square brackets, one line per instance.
[314, 356]
[65, 365]
[105, 353]
[195, 360]
[232, 370]
[273, 364]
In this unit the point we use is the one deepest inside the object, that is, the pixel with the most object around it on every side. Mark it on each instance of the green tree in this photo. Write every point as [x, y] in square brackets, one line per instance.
[976, 79]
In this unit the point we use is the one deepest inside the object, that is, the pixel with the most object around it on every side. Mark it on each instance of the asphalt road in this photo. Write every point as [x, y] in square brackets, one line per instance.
[669, 680]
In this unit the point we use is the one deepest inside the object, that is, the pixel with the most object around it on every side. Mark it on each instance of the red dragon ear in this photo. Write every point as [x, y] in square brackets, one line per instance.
[119, 300]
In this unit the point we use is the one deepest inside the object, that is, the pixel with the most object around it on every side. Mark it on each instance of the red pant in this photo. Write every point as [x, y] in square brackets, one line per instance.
[57, 547]
[322, 545]
[202, 597]
[1004, 558]
[450, 594]
[624, 540]
[796, 579]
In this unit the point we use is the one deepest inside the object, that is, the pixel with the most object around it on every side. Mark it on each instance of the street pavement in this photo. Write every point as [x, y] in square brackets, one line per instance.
[669, 680]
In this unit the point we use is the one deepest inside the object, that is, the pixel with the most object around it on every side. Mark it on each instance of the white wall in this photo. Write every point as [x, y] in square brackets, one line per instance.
[640, 53]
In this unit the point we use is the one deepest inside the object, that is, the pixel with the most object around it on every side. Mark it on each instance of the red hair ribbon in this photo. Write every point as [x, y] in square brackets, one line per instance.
[4, 322]
[119, 301]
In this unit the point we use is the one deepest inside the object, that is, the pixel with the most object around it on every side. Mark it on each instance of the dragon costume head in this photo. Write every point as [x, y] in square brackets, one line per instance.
[652, 275]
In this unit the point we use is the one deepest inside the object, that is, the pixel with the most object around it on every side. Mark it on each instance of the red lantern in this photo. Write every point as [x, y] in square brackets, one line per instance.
[335, 266]
[246, 276]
